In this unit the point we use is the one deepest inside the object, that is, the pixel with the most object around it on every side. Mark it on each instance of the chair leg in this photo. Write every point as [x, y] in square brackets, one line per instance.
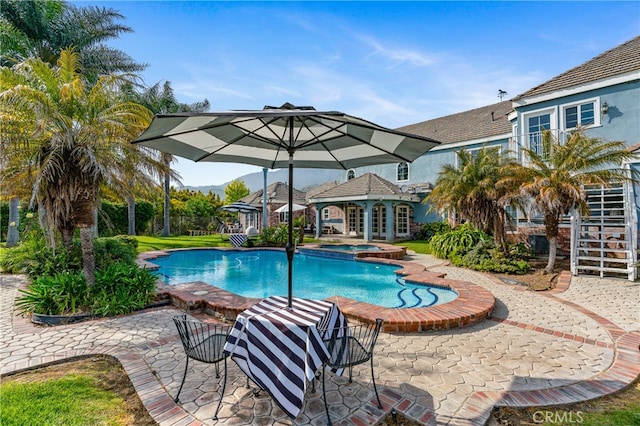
[324, 396]
[184, 376]
[373, 379]
[217, 371]
[224, 385]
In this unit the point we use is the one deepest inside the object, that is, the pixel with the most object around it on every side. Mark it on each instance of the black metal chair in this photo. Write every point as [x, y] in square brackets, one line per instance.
[203, 342]
[349, 346]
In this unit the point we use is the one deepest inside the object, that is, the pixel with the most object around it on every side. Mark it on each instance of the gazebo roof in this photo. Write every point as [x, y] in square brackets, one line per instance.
[367, 186]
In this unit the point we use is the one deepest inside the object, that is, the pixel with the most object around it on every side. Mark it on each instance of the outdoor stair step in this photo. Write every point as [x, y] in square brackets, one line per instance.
[603, 259]
[601, 240]
[598, 268]
[603, 249]
[598, 219]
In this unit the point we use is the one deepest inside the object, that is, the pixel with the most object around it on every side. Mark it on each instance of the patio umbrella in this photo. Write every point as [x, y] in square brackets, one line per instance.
[294, 208]
[282, 137]
[239, 207]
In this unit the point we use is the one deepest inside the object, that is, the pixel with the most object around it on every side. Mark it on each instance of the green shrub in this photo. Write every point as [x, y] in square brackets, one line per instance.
[14, 259]
[122, 288]
[34, 258]
[468, 247]
[433, 228]
[457, 241]
[277, 236]
[62, 293]
[121, 248]
[486, 257]
[119, 289]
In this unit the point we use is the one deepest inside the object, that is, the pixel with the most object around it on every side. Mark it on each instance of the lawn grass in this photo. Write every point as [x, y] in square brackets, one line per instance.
[419, 246]
[75, 399]
[147, 243]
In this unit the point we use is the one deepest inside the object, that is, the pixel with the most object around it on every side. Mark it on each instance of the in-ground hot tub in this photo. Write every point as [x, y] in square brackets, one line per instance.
[346, 250]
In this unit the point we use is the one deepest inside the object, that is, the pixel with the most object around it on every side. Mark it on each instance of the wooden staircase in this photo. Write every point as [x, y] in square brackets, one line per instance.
[605, 243]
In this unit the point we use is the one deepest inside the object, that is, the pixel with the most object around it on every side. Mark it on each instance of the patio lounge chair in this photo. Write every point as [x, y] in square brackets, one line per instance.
[205, 343]
[349, 346]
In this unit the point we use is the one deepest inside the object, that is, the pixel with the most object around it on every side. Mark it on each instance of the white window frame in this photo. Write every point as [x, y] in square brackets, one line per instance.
[398, 172]
[325, 213]
[284, 217]
[470, 150]
[402, 219]
[597, 116]
[352, 219]
[524, 128]
[351, 171]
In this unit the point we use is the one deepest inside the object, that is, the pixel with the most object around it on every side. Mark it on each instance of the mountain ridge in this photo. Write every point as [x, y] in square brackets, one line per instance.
[302, 178]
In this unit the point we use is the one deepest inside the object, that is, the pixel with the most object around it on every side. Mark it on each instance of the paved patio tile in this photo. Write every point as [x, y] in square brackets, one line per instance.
[539, 347]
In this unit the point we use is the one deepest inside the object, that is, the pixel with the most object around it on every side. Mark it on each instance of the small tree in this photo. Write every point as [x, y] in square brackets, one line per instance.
[235, 191]
[554, 181]
[471, 189]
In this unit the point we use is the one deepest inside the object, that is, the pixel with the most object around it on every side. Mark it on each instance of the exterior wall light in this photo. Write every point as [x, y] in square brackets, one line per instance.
[605, 108]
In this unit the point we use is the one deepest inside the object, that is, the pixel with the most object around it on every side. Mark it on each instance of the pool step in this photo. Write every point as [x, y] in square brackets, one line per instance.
[411, 297]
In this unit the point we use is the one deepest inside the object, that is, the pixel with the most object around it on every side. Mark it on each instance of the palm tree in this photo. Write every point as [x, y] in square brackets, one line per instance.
[471, 190]
[553, 182]
[43, 28]
[72, 137]
[161, 100]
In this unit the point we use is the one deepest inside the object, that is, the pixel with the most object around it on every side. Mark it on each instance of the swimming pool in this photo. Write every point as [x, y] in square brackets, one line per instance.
[263, 273]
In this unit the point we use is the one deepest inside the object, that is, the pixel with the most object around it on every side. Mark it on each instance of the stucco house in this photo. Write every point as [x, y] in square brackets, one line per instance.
[602, 96]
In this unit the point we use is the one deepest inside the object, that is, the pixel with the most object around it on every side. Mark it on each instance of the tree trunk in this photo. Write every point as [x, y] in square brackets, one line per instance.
[67, 237]
[13, 235]
[131, 214]
[552, 255]
[167, 205]
[83, 213]
[88, 257]
[552, 226]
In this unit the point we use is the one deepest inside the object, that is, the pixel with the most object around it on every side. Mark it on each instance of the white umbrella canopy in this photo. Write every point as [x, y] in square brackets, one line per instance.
[282, 137]
[294, 208]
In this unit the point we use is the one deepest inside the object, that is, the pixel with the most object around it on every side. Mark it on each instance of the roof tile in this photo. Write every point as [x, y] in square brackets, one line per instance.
[619, 60]
[479, 123]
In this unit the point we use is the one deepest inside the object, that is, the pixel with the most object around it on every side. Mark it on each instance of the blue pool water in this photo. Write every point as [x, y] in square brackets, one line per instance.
[263, 273]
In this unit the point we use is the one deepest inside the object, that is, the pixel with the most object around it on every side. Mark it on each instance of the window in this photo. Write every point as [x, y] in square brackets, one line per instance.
[352, 219]
[535, 126]
[403, 171]
[581, 114]
[402, 220]
[325, 213]
[351, 174]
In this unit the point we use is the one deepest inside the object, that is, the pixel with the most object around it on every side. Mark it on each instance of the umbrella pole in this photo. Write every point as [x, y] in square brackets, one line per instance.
[290, 248]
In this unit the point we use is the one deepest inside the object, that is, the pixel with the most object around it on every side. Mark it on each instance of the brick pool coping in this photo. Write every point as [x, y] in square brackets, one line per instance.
[473, 304]
[384, 251]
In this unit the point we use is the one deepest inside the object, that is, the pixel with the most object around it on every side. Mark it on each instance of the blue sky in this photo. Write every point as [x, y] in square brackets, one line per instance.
[393, 63]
